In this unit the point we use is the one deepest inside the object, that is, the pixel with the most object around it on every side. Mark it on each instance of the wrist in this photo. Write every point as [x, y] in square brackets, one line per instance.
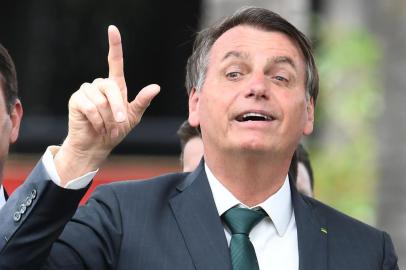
[72, 162]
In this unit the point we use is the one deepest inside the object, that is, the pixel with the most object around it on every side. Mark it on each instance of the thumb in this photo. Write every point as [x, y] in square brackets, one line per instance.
[141, 102]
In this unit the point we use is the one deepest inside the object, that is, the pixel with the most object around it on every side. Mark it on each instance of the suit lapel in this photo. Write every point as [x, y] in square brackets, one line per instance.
[312, 233]
[200, 224]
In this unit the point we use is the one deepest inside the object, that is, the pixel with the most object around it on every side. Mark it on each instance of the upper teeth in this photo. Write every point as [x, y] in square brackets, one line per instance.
[252, 114]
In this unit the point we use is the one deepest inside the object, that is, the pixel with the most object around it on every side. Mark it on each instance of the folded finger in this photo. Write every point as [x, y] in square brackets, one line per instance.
[89, 110]
[117, 104]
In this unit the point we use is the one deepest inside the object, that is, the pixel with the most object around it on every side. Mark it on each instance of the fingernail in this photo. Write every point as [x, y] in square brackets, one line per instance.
[120, 117]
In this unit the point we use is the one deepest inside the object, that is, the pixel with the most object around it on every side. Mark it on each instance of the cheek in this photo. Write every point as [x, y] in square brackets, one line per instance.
[211, 106]
[213, 116]
[5, 127]
[296, 107]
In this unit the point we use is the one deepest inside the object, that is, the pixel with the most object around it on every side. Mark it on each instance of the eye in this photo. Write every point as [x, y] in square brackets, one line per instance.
[234, 75]
[280, 78]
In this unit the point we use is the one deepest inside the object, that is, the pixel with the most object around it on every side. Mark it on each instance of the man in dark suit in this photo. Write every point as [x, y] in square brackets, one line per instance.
[11, 112]
[252, 85]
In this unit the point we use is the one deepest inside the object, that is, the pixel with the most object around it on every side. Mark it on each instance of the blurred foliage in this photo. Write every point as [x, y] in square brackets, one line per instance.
[343, 148]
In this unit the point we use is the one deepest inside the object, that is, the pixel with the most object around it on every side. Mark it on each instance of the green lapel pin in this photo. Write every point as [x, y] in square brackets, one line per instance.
[323, 230]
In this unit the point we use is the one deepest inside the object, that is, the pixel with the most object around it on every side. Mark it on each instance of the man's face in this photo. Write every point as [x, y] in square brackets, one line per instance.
[9, 127]
[192, 154]
[253, 98]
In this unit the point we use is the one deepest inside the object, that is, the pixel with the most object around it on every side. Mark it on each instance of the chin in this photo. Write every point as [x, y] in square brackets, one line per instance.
[254, 147]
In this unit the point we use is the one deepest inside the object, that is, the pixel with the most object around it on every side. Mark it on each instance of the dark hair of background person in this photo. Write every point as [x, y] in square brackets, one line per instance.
[302, 156]
[197, 63]
[8, 79]
[185, 133]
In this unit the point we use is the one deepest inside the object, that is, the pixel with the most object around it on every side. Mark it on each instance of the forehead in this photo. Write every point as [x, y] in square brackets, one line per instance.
[250, 40]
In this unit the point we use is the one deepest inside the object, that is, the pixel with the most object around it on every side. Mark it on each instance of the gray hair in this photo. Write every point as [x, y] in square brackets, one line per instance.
[196, 67]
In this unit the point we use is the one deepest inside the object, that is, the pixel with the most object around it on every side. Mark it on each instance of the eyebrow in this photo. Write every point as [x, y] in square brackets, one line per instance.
[274, 60]
[283, 60]
[235, 54]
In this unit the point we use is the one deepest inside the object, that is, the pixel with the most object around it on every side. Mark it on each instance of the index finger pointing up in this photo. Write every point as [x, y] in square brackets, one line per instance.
[115, 57]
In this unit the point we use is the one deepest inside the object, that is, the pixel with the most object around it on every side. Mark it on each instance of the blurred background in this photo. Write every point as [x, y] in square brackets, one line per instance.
[357, 149]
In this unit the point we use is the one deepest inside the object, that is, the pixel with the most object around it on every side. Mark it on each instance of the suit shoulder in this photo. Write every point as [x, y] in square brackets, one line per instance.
[335, 218]
[350, 236]
[165, 179]
[159, 185]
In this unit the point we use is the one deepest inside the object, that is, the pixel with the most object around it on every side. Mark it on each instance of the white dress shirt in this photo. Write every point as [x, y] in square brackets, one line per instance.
[275, 237]
[2, 198]
[49, 164]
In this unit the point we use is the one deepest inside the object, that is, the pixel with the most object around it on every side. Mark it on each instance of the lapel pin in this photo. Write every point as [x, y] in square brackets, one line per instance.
[323, 230]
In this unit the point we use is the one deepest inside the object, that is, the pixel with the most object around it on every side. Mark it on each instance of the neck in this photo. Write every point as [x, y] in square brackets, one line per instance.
[251, 178]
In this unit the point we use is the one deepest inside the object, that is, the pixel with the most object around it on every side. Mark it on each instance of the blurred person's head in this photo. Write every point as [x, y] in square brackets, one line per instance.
[302, 172]
[191, 147]
[10, 106]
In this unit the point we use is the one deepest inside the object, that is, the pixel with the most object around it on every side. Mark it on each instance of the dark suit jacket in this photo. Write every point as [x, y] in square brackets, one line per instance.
[169, 222]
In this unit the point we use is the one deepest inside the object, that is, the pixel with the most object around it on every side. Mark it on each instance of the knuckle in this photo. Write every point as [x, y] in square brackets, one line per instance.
[140, 104]
[89, 109]
[97, 122]
[75, 98]
[102, 103]
[84, 86]
[98, 80]
[111, 85]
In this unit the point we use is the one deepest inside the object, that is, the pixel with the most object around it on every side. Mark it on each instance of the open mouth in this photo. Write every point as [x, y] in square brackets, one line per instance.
[254, 116]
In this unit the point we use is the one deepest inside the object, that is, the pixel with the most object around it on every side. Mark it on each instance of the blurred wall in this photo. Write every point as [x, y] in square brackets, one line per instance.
[385, 21]
[58, 45]
[388, 20]
[296, 11]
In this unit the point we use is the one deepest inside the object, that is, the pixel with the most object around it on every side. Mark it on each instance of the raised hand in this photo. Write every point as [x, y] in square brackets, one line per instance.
[100, 116]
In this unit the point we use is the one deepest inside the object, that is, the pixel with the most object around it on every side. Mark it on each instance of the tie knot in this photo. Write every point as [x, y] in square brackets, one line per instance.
[242, 220]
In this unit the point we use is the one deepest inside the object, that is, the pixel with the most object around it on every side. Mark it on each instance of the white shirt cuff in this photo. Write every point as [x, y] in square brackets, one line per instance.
[49, 164]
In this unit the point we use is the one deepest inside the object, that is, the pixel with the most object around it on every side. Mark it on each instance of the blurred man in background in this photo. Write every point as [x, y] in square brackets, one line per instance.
[11, 112]
[301, 171]
[191, 145]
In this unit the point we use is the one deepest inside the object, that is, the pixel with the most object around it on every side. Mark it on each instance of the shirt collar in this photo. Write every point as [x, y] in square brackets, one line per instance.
[2, 198]
[278, 206]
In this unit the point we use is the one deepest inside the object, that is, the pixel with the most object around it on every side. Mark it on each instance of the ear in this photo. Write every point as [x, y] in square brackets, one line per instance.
[194, 108]
[308, 128]
[15, 115]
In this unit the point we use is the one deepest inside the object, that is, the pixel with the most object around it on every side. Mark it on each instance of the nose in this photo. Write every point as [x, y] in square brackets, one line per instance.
[258, 87]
